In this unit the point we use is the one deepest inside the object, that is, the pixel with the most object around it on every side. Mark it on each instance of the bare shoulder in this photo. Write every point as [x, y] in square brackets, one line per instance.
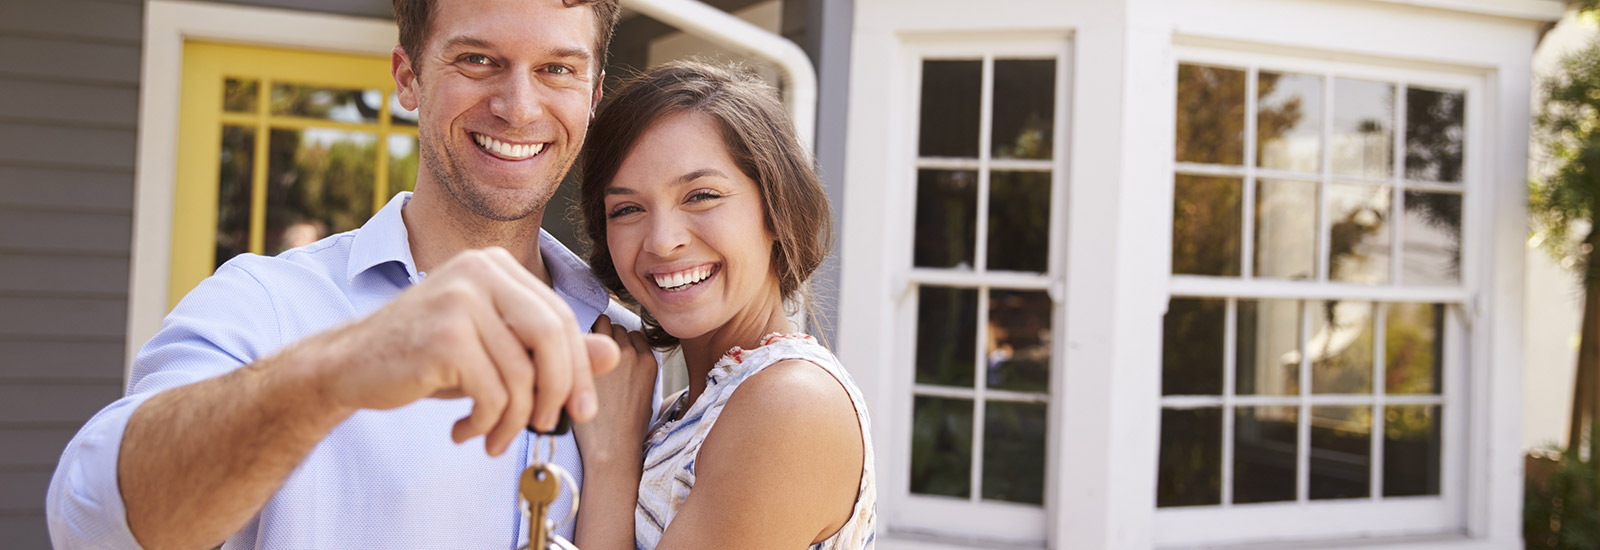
[785, 453]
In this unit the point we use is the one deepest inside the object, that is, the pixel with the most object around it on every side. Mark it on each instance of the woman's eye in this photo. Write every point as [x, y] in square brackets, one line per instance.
[700, 196]
[622, 211]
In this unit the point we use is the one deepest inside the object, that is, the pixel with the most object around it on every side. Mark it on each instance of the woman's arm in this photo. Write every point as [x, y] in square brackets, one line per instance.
[780, 469]
[612, 445]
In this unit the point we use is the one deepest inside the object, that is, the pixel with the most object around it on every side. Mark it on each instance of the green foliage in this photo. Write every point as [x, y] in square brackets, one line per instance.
[1568, 127]
[1561, 507]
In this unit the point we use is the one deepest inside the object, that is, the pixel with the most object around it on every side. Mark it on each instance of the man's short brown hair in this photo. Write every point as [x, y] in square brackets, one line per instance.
[413, 17]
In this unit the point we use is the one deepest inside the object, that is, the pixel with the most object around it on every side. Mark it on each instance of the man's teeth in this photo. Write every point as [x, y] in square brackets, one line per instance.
[507, 150]
[673, 281]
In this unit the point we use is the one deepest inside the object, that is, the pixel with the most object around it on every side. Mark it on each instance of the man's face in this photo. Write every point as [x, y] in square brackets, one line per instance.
[504, 92]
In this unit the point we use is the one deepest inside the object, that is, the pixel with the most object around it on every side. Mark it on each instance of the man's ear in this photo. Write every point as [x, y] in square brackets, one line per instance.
[405, 80]
[599, 90]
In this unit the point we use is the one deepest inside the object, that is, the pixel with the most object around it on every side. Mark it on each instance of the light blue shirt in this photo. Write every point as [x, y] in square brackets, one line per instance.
[381, 479]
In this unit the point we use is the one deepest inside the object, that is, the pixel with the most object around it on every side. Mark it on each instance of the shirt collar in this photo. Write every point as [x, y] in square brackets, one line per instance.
[383, 239]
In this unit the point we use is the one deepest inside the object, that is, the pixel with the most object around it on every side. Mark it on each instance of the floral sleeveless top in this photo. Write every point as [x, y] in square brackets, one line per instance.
[675, 439]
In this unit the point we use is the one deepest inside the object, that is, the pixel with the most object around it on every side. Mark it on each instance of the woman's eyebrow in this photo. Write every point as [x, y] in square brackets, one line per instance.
[701, 173]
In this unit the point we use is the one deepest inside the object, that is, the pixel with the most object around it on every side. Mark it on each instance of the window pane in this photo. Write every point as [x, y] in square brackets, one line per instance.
[1286, 229]
[1024, 120]
[1363, 128]
[1431, 253]
[1018, 349]
[946, 336]
[1191, 359]
[1210, 115]
[1268, 360]
[1019, 221]
[1206, 225]
[1189, 471]
[941, 447]
[1359, 236]
[319, 182]
[1434, 134]
[239, 95]
[337, 104]
[1341, 347]
[1289, 122]
[1013, 452]
[952, 93]
[233, 192]
[1264, 453]
[1413, 350]
[947, 218]
[402, 163]
[1341, 452]
[399, 115]
[1411, 447]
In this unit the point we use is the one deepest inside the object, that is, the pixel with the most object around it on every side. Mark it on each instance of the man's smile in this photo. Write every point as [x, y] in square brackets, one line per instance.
[507, 150]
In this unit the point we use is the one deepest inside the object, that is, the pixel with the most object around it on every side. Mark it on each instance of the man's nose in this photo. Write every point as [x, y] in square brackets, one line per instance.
[518, 100]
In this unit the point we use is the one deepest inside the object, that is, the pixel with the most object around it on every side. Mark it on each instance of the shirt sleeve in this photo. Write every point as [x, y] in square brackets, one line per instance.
[226, 322]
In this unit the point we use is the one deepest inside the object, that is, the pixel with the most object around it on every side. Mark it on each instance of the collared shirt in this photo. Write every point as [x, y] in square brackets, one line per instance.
[381, 479]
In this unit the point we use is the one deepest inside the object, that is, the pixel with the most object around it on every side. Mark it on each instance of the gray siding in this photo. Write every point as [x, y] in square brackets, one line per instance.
[69, 96]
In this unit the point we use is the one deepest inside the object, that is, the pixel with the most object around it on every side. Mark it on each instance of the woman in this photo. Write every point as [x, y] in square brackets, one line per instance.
[704, 211]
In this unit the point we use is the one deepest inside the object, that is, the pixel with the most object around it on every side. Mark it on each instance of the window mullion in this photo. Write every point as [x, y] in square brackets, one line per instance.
[980, 384]
[1380, 313]
[1397, 189]
[1247, 198]
[1324, 226]
[1229, 359]
[1303, 427]
[258, 172]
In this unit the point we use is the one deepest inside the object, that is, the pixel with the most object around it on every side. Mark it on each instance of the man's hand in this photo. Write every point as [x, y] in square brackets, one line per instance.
[480, 326]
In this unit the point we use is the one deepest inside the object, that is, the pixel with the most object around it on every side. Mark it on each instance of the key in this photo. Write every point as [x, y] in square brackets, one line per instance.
[539, 489]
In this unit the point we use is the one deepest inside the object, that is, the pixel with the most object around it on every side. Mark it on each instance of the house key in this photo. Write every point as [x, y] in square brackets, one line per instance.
[540, 486]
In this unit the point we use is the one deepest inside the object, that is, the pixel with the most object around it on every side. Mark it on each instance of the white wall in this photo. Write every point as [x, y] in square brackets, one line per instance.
[767, 15]
[1554, 299]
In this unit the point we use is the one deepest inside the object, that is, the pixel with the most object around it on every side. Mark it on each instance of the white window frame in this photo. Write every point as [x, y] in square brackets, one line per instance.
[1373, 516]
[970, 518]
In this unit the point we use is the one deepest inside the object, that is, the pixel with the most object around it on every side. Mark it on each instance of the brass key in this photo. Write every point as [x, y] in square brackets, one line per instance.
[540, 486]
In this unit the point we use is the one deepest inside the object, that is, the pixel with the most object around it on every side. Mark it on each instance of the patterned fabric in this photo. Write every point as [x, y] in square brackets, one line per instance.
[676, 437]
[382, 479]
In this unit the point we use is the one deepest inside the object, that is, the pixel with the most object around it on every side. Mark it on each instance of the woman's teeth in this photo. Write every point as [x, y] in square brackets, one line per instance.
[507, 150]
[682, 279]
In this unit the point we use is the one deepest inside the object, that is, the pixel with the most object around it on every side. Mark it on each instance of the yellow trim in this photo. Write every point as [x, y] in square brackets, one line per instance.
[201, 118]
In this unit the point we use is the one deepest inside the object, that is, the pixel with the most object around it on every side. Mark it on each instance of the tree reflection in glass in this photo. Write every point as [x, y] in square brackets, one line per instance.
[1413, 348]
[1211, 115]
[1341, 452]
[1359, 233]
[1268, 348]
[1289, 121]
[1286, 229]
[1013, 452]
[1341, 347]
[1192, 344]
[946, 219]
[1431, 253]
[1412, 445]
[233, 192]
[1265, 453]
[1362, 143]
[1189, 469]
[1434, 134]
[319, 182]
[941, 446]
[1206, 225]
[946, 336]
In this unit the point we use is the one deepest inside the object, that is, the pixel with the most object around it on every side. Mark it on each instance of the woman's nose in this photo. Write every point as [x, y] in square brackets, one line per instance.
[667, 235]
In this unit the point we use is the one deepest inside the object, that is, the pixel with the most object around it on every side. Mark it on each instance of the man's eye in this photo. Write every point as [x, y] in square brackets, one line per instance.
[476, 59]
[559, 69]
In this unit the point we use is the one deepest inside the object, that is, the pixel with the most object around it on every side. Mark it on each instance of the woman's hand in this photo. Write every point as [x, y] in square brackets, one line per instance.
[612, 444]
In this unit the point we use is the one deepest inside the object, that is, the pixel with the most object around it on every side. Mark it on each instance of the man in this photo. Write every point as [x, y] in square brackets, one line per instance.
[284, 402]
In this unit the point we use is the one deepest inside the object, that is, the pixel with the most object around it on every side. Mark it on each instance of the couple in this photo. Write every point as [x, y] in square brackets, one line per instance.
[286, 401]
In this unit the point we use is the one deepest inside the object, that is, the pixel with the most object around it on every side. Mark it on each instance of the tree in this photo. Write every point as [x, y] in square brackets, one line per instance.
[1563, 198]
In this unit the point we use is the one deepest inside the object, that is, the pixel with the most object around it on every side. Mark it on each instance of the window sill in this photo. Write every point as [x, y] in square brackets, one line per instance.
[903, 541]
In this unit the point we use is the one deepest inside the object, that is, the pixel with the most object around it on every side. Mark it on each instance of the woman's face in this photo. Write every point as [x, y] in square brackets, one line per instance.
[686, 229]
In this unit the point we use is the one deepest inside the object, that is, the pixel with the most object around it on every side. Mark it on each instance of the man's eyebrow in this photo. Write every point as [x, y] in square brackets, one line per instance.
[571, 53]
[467, 41]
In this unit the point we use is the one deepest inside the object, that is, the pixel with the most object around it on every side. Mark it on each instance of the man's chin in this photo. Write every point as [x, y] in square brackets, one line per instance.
[501, 205]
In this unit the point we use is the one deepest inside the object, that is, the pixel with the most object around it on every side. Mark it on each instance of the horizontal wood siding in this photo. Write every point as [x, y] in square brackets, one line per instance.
[68, 131]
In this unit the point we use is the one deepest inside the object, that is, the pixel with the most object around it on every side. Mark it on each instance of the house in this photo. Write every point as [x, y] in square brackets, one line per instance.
[1127, 274]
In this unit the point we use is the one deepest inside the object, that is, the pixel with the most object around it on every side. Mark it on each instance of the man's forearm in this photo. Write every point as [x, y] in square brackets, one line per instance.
[198, 461]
